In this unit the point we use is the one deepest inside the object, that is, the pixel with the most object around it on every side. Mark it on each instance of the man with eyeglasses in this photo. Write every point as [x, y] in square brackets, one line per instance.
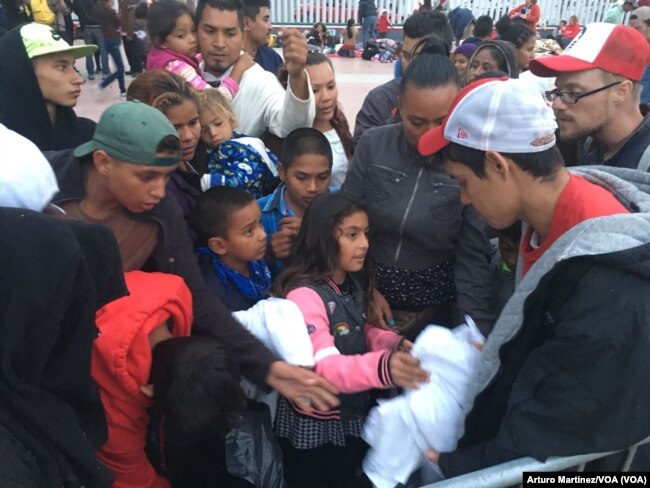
[598, 94]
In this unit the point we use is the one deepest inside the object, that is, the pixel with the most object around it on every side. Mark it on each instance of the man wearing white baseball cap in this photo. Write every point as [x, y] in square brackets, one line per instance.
[563, 370]
[598, 94]
[39, 87]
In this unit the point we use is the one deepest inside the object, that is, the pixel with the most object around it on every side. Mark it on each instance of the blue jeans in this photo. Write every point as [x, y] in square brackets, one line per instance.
[93, 35]
[112, 47]
[368, 26]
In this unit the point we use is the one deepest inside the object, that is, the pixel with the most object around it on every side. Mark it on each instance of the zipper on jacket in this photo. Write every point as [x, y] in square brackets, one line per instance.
[406, 214]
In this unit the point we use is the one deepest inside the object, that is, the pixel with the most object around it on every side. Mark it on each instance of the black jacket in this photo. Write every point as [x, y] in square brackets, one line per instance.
[628, 156]
[379, 108]
[55, 275]
[84, 10]
[23, 109]
[174, 254]
[570, 368]
[367, 8]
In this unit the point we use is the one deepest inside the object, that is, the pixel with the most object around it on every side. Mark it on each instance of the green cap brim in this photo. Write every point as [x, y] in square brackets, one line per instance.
[76, 51]
[85, 149]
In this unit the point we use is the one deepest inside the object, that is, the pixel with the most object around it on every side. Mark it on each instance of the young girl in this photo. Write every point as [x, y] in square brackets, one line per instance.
[330, 119]
[173, 35]
[493, 56]
[233, 159]
[328, 280]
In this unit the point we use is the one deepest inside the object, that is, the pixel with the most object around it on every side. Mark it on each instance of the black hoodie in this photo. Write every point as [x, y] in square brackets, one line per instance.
[55, 275]
[23, 108]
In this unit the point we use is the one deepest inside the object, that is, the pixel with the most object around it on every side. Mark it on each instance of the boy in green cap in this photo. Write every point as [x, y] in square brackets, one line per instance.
[119, 181]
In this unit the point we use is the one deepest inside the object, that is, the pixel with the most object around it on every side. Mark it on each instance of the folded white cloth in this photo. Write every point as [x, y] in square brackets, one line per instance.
[279, 324]
[400, 430]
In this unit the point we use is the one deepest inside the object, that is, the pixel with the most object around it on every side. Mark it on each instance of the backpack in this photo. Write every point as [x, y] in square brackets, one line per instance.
[40, 11]
[369, 51]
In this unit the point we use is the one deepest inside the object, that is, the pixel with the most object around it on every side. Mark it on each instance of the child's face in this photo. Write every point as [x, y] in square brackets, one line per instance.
[460, 61]
[245, 239]
[215, 128]
[526, 53]
[182, 39]
[323, 84]
[353, 244]
[306, 177]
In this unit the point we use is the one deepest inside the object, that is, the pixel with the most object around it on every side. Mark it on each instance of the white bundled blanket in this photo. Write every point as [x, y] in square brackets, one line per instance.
[279, 324]
[400, 430]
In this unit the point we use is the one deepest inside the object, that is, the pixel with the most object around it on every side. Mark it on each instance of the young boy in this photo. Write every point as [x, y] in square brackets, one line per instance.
[305, 171]
[227, 221]
[39, 87]
[120, 182]
[562, 371]
[383, 24]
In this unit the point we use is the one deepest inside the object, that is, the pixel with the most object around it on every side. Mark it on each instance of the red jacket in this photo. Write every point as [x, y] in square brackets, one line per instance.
[121, 363]
[531, 18]
[570, 31]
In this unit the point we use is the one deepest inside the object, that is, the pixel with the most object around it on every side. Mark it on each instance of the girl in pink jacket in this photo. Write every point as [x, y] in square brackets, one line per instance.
[328, 279]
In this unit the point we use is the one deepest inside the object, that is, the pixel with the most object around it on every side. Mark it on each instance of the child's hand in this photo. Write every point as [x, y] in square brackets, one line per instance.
[405, 370]
[244, 62]
[405, 345]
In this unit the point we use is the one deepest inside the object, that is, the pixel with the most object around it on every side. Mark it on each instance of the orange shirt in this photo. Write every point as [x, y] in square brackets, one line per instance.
[579, 201]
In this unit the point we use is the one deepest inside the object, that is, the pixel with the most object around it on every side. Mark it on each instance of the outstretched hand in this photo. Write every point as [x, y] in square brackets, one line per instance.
[305, 388]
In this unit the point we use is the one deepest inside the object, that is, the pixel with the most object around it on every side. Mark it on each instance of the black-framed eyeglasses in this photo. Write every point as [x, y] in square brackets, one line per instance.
[572, 97]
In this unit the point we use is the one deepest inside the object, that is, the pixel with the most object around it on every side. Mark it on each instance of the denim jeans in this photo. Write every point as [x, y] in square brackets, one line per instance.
[112, 47]
[368, 26]
[93, 35]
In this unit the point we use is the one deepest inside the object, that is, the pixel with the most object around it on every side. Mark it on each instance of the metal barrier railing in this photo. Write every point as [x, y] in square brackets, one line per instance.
[510, 473]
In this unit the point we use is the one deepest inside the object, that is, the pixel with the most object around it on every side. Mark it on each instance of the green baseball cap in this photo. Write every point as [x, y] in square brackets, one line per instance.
[131, 131]
[40, 39]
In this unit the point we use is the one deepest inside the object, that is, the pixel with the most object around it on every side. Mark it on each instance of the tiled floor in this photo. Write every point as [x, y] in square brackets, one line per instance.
[355, 78]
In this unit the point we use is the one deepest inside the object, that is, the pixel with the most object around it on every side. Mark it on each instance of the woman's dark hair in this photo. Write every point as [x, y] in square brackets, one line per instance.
[542, 164]
[518, 34]
[161, 89]
[432, 45]
[503, 53]
[161, 19]
[315, 252]
[429, 70]
[339, 121]
[349, 27]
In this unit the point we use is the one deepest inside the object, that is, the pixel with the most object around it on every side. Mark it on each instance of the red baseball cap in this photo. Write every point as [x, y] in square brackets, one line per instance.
[617, 49]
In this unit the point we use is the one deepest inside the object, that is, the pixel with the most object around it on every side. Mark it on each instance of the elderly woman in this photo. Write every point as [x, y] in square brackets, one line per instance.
[429, 250]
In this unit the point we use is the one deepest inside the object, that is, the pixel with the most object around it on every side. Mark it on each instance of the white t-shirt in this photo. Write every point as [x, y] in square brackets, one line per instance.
[340, 162]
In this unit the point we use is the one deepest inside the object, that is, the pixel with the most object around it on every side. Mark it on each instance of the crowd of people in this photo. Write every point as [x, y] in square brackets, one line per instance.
[219, 246]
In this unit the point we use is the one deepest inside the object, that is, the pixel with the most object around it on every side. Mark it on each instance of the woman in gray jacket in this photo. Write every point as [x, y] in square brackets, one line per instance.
[430, 251]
